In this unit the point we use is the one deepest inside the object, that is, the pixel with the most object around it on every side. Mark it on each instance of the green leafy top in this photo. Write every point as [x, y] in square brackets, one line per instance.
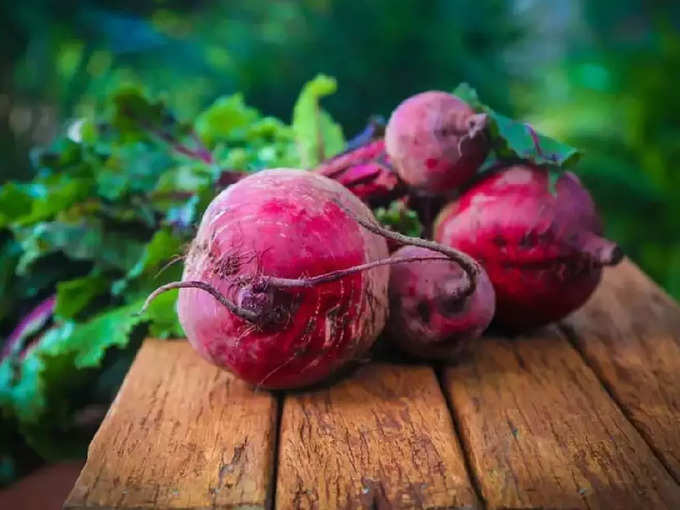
[398, 217]
[318, 137]
[516, 140]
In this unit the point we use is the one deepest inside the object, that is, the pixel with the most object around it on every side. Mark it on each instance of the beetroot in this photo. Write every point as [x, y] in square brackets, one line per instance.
[283, 223]
[542, 250]
[430, 317]
[286, 280]
[365, 170]
[435, 141]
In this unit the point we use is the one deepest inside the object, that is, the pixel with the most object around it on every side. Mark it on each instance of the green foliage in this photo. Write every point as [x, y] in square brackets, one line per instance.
[15, 202]
[36, 389]
[161, 312]
[318, 137]
[87, 239]
[224, 117]
[10, 251]
[398, 217]
[74, 295]
[244, 140]
[517, 140]
[136, 116]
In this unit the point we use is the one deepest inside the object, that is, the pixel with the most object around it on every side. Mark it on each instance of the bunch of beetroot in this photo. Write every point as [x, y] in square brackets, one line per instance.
[291, 277]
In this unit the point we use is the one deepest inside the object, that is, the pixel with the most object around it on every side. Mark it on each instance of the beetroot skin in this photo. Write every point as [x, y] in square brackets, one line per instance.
[542, 251]
[366, 171]
[436, 142]
[429, 316]
[288, 224]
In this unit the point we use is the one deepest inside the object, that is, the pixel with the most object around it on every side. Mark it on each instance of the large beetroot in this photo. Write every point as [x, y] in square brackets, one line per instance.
[436, 141]
[286, 280]
[285, 224]
[542, 250]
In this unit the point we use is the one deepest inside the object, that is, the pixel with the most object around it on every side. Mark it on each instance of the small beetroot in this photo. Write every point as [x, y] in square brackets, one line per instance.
[430, 316]
[542, 250]
[435, 141]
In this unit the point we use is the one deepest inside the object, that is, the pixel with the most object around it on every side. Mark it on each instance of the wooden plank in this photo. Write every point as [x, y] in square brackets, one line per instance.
[540, 431]
[381, 439]
[629, 332]
[180, 434]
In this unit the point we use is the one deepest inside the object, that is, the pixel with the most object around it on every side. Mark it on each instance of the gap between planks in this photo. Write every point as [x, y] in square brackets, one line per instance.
[277, 444]
[474, 479]
[625, 410]
[629, 335]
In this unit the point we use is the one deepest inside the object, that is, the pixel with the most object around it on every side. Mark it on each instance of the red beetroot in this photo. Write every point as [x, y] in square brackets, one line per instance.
[542, 251]
[286, 280]
[284, 223]
[371, 182]
[435, 141]
[430, 317]
[365, 171]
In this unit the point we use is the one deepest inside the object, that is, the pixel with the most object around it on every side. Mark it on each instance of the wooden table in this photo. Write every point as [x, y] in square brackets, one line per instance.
[584, 414]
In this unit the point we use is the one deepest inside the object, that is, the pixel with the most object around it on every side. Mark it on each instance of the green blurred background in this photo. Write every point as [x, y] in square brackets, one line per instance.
[600, 75]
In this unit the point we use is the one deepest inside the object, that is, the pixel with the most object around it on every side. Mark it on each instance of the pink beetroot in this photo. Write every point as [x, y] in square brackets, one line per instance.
[542, 251]
[284, 223]
[430, 316]
[435, 141]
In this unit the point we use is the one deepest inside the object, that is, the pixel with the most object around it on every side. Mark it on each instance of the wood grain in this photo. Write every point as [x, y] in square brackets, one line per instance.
[629, 332]
[540, 431]
[180, 434]
[381, 439]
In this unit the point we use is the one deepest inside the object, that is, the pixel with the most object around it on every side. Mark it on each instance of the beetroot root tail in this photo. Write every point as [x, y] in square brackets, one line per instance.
[280, 283]
[341, 273]
[469, 265]
[233, 307]
[602, 251]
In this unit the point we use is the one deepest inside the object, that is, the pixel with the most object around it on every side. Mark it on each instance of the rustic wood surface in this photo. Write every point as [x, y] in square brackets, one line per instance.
[541, 432]
[582, 415]
[382, 439]
[180, 434]
[629, 332]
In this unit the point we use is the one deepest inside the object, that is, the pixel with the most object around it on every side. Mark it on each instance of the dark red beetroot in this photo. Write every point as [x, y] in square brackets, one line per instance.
[430, 317]
[435, 141]
[542, 251]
